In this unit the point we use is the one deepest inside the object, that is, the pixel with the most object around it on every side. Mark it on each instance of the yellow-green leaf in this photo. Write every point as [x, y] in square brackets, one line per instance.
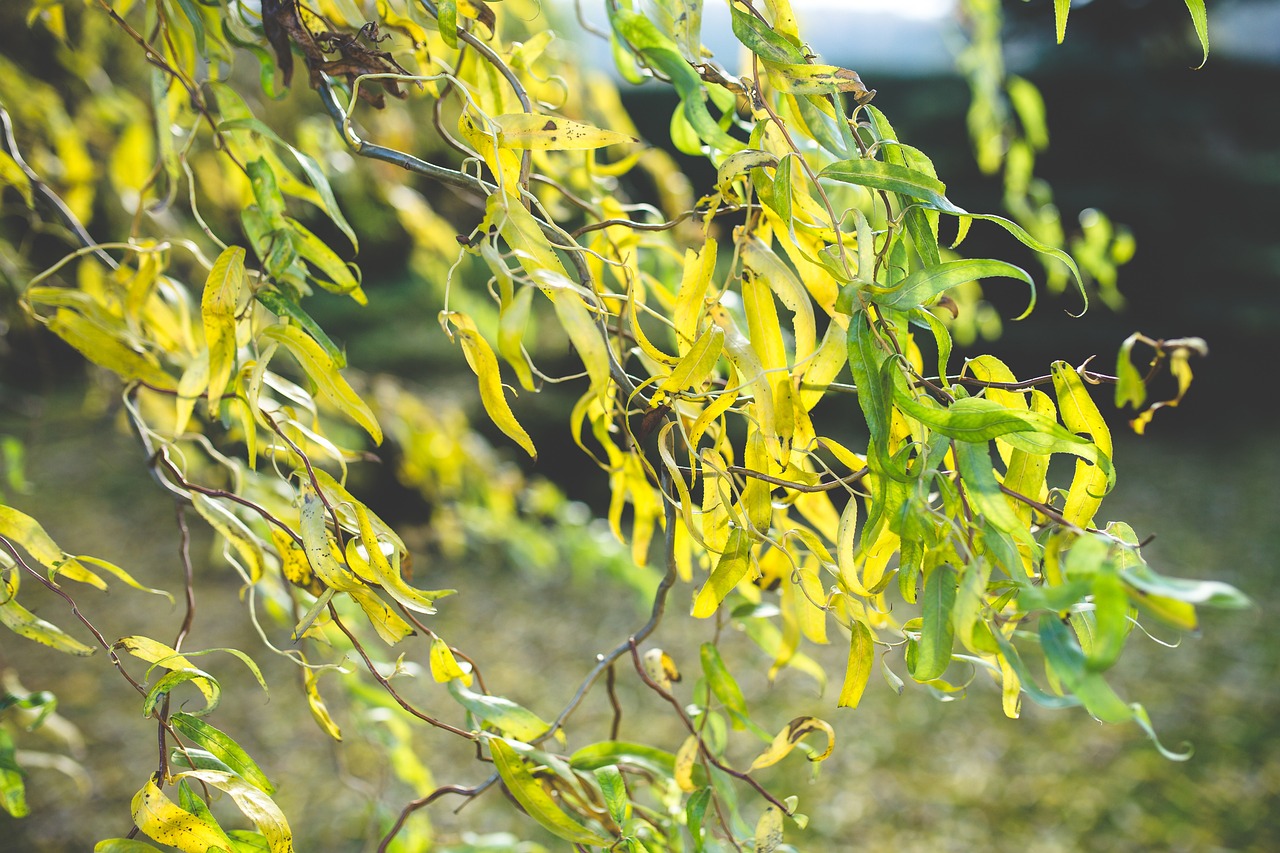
[319, 710]
[444, 666]
[322, 369]
[231, 528]
[222, 293]
[157, 653]
[768, 830]
[24, 623]
[105, 350]
[530, 794]
[730, 568]
[19, 527]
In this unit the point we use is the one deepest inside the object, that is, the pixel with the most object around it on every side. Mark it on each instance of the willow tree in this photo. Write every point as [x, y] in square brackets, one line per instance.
[766, 382]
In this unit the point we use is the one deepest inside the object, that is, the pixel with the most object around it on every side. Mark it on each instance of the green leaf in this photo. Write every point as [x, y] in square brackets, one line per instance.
[763, 40]
[224, 748]
[731, 568]
[695, 810]
[894, 178]
[513, 720]
[937, 635]
[1200, 19]
[536, 802]
[13, 794]
[723, 685]
[282, 306]
[206, 682]
[1061, 8]
[309, 166]
[614, 789]
[925, 285]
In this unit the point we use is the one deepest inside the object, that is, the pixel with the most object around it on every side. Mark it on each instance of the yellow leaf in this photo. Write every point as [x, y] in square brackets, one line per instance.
[165, 821]
[1080, 415]
[24, 623]
[254, 803]
[157, 653]
[390, 627]
[690, 298]
[105, 350]
[388, 576]
[293, 562]
[858, 671]
[27, 532]
[786, 740]
[222, 292]
[485, 364]
[444, 666]
[768, 831]
[686, 758]
[553, 133]
[319, 710]
[313, 525]
[319, 365]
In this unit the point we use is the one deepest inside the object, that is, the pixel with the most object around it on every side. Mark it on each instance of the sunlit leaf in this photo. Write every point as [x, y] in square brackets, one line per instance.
[222, 746]
[254, 803]
[539, 805]
[553, 133]
[794, 732]
[165, 821]
[222, 294]
[485, 364]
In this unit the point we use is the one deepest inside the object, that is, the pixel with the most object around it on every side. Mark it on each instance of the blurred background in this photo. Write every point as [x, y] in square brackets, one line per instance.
[1187, 160]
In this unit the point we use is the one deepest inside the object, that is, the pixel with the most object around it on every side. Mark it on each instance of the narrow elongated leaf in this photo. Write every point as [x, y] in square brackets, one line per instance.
[221, 296]
[553, 133]
[282, 306]
[536, 802]
[13, 791]
[235, 531]
[165, 821]
[937, 636]
[106, 350]
[614, 789]
[858, 670]
[506, 716]
[324, 372]
[1200, 19]
[722, 683]
[485, 365]
[253, 803]
[925, 285]
[157, 653]
[730, 569]
[223, 747]
[24, 623]
[894, 178]
[162, 688]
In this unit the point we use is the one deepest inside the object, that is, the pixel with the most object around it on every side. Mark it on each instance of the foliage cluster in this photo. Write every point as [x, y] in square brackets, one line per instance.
[908, 509]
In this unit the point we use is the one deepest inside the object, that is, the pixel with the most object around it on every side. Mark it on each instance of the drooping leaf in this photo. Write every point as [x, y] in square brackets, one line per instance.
[223, 747]
[254, 803]
[794, 732]
[218, 304]
[165, 821]
[536, 802]
[485, 365]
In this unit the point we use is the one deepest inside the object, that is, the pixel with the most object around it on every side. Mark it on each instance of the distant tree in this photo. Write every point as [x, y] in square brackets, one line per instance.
[202, 207]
